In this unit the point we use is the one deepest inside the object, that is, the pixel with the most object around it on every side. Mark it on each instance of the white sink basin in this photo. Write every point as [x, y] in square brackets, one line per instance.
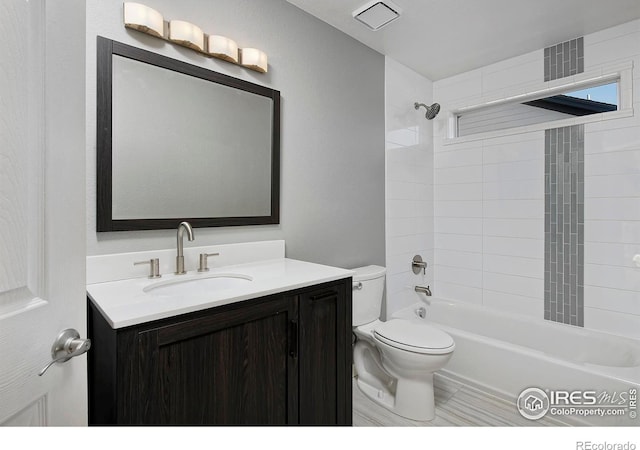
[198, 285]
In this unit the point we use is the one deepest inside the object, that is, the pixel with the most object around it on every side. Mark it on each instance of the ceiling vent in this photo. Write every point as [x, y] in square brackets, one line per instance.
[376, 15]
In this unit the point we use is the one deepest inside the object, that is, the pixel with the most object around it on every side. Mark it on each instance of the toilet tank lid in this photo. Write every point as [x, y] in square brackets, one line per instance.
[368, 273]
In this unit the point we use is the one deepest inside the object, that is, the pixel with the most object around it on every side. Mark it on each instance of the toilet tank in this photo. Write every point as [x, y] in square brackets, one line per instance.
[367, 300]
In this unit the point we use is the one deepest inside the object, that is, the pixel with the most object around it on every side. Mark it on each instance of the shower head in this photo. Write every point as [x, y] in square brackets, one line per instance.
[432, 110]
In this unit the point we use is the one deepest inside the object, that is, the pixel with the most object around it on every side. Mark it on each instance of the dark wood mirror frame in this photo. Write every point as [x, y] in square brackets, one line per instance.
[106, 48]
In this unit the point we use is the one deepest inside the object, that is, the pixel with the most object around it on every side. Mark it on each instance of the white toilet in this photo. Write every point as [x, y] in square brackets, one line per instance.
[395, 360]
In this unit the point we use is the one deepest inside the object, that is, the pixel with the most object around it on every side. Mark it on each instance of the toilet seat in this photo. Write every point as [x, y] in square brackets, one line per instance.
[414, 337]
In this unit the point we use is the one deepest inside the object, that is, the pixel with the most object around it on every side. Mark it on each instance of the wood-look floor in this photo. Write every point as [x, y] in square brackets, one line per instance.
[456, 405]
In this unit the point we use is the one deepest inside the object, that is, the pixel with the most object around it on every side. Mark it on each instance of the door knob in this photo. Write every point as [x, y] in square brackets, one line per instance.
[67, 345]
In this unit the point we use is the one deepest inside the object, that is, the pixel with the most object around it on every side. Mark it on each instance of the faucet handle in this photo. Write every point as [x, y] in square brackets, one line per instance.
[203, 261]
[154, 267]
[417, 264]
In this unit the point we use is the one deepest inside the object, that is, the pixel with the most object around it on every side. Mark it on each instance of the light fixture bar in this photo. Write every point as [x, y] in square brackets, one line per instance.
[149, 21]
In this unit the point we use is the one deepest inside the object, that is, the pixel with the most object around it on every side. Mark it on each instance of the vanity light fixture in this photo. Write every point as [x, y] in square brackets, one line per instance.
[147, 20]
[253, 58]
[223, 48]
[186, 34]
[142, 18]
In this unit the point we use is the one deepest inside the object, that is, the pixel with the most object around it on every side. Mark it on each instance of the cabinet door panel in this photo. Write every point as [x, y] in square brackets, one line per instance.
[325, 374]
[224, 371]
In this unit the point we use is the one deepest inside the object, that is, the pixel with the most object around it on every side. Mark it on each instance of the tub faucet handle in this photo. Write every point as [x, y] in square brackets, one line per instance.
[417, 263]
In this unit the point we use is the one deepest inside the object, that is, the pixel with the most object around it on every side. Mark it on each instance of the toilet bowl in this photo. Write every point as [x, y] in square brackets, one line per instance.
[395, 360]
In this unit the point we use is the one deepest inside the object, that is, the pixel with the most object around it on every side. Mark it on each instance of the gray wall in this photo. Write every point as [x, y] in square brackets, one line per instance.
[332, 151]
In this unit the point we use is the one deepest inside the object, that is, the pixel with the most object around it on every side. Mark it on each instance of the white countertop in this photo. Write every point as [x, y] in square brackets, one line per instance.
[124, 303]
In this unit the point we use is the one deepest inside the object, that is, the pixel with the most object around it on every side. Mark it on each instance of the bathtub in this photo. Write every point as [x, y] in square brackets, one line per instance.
[503, 354]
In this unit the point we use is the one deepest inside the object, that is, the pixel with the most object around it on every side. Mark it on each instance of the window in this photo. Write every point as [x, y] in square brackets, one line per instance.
[595, 99]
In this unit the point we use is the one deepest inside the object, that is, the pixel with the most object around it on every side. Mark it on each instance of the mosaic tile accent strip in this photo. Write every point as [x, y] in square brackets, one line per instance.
[564, 59]
[564, 225]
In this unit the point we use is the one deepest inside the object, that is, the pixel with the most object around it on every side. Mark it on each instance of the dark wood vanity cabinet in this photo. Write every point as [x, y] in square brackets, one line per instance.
[275, 360]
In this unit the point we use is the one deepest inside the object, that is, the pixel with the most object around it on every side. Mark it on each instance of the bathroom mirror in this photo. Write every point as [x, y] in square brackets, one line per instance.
[179, 142]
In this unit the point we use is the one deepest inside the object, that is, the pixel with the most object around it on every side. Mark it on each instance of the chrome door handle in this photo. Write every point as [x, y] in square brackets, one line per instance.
[66, 346]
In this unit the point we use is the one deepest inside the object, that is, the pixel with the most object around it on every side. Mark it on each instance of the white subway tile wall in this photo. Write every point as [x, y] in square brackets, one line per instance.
[409, 184]
[612, 197]
[497, 227]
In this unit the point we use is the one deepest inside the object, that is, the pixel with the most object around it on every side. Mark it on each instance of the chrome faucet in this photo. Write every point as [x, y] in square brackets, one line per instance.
[180, 257]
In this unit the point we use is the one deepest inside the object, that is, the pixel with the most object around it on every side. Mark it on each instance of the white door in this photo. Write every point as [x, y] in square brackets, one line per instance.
[42, 209]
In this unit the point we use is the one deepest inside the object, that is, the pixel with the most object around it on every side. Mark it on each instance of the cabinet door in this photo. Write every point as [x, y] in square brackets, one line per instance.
[325, 355]
[231, 367]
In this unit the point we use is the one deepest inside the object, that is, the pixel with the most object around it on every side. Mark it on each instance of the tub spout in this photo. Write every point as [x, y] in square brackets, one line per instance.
[423, 290]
